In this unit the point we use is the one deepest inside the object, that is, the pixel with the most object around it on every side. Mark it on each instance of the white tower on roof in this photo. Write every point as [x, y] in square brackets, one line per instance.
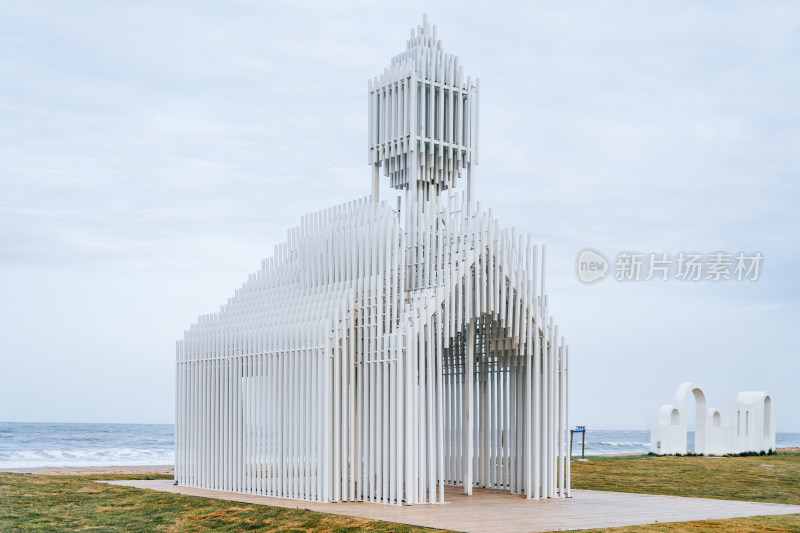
[423, 119]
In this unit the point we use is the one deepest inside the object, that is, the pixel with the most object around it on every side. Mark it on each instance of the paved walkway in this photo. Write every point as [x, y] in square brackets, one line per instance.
[493, 510]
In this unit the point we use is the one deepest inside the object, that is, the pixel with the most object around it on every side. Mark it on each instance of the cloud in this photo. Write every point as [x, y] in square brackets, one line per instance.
[171, 146]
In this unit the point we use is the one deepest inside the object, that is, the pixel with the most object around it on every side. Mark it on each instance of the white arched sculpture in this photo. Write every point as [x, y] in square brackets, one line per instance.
[745, 426]
[380, 355]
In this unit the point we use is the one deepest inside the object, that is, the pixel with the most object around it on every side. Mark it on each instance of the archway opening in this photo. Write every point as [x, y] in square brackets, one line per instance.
[767, 416]
[483, 397]
[696, 422]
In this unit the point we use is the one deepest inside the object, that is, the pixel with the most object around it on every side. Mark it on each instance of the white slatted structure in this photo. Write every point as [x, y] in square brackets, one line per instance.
[378, 357]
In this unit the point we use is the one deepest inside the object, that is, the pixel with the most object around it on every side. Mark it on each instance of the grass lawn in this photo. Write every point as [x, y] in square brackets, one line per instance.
[772, 478]
[76, 503]
[769, 478]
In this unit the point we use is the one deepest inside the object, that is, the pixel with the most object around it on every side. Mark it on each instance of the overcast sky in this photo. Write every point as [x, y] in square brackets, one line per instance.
[152, 153]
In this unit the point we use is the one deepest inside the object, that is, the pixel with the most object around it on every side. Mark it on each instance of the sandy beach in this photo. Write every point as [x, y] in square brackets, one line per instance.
[83, 470]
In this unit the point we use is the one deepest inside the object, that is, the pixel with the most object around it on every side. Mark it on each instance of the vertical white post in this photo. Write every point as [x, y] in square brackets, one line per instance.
[565, 406]
[470, 183]
[376, 173]
[468, 403]
[409, 418]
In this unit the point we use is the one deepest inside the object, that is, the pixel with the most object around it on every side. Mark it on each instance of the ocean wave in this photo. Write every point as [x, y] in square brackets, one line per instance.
[86, 457]
[621, 443]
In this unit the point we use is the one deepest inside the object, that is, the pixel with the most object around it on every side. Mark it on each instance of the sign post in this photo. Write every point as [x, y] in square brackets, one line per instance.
[582, 431]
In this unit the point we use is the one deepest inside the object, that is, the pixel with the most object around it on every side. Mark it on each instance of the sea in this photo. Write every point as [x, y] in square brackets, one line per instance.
[31, 445]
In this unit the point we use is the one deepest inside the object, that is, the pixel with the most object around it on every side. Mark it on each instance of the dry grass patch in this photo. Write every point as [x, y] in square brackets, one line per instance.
[75, 503]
